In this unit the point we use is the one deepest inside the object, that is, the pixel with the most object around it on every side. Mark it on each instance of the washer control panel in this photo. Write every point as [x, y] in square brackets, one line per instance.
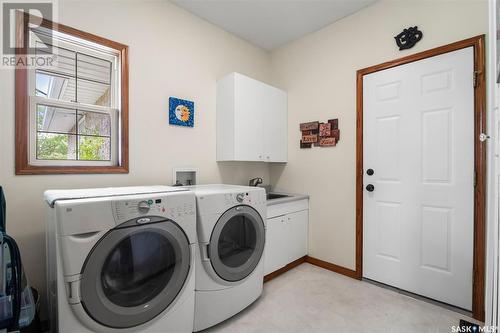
[137, 208]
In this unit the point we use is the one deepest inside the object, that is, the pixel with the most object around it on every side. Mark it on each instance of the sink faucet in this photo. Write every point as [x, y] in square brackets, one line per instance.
[255, 181]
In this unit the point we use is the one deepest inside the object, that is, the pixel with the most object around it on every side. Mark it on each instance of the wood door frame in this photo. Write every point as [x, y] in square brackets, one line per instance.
[478, 43]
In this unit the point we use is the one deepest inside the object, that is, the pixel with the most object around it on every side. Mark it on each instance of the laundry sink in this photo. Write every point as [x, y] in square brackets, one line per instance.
[271, 196]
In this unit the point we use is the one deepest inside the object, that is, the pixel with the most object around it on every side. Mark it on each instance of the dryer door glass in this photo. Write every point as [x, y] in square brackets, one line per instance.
[138, 268]
[135, 273]
[237, 243]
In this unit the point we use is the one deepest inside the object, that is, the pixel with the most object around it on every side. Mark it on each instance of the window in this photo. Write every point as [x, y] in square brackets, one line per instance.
[71, 112]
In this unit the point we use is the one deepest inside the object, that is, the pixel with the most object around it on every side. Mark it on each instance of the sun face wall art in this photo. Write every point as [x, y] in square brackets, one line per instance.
[180, 112]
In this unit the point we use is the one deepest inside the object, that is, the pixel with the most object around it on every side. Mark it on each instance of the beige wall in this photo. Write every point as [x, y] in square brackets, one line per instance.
[172, 53]
[318, 71]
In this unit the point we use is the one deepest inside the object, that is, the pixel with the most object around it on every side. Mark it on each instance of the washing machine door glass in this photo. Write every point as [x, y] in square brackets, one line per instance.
[237, 243]
[135, 273]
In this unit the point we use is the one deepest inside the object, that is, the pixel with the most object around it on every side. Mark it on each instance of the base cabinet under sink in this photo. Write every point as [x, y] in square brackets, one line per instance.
[286, 239]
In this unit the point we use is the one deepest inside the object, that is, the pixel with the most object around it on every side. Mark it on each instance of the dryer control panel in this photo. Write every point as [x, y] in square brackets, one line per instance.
[246, 198]
[160, 205]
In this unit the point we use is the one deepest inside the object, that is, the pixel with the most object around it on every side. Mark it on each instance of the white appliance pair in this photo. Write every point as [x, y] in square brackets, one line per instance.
[124, 259]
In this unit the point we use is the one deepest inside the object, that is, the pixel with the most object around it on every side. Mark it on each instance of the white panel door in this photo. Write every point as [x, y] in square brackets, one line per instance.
[418, 137]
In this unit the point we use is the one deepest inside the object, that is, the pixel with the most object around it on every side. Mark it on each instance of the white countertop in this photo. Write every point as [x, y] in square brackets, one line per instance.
[290, 197]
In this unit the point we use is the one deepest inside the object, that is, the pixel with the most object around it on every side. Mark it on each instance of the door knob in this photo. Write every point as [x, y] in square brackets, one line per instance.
[370, 187]
[370, 172]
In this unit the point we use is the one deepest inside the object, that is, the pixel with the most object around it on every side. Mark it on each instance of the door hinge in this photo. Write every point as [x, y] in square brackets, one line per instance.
[474, 78]
[483, 137]
[475, 178]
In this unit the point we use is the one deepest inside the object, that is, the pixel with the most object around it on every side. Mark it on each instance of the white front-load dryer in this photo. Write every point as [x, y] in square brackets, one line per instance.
[121, 260]
[231, 236]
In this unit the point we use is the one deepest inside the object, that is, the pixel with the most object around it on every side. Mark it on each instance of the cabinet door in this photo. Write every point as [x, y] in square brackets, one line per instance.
[275, 255]
[275, 125]
[298, 234]
[248, 119]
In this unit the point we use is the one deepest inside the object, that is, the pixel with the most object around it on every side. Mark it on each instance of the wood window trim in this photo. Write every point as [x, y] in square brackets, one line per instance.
[22, 112]
[478, 44]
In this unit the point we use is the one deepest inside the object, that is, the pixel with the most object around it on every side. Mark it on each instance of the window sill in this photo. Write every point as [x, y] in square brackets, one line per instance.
[65, 170]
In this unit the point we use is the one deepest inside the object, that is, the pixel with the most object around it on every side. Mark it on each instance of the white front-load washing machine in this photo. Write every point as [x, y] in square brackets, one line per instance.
[121, 259]
[229, 258]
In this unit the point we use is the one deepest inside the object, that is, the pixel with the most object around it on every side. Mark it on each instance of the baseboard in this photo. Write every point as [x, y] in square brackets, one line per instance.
[332, 267]
[285, 269]
[316, 262]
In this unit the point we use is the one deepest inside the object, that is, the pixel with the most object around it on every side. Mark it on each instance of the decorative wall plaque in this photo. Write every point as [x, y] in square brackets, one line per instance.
[325, 129]
[408, 38]
[327, 142]
[335, 123]
[320, 134]
[336, 134]
[309, 138]
[309, 126]
[181, 112]
[305, 145]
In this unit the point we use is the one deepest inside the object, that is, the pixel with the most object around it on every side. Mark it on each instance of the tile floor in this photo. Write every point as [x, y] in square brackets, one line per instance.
[311, 299]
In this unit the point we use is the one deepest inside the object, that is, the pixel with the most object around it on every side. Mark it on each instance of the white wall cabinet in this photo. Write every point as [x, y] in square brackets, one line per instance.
[286, 237]
[251, 120]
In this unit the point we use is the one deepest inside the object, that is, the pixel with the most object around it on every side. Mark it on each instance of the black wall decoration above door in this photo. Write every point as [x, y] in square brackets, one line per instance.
[408, 38]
